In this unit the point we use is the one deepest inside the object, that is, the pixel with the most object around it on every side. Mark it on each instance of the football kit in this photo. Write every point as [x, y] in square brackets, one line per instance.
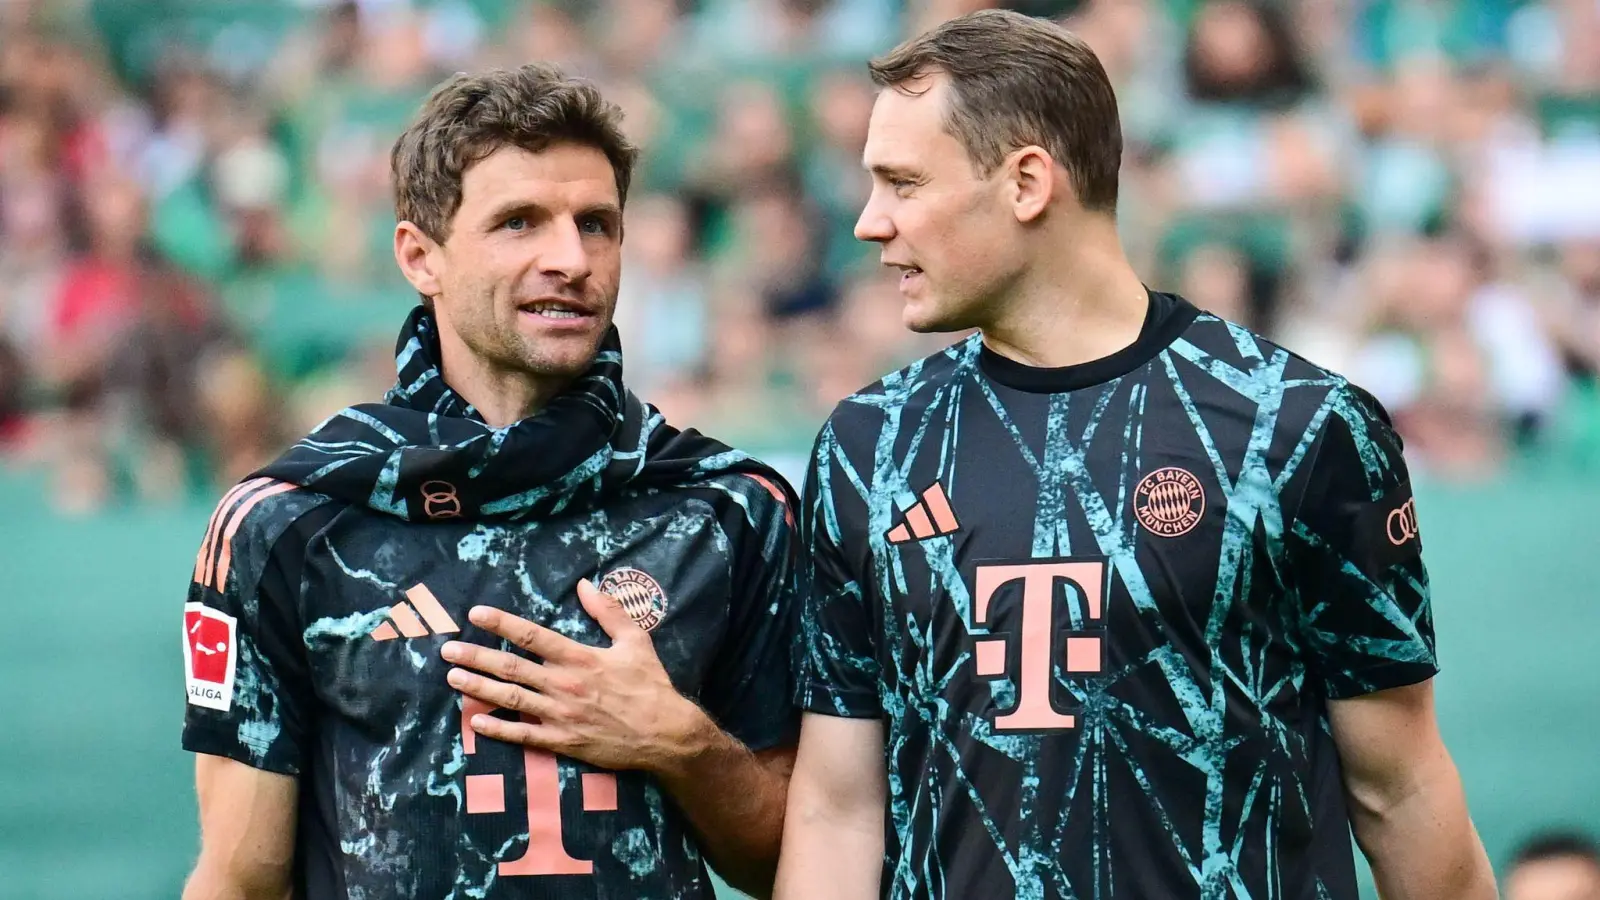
[326, 585]
[1101, 610]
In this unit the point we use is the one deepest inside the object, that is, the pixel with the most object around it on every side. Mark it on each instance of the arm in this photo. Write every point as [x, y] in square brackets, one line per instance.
[1407, 808]
[247, 823]
[248, 693]
[833, 835]
[734, 799]
[737, 809]
[1367, 623]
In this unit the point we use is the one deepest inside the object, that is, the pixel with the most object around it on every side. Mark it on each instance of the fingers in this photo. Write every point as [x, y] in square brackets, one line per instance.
[502, 665]
[607, 611]
[528, 734]
[500, 694]
[536, 639]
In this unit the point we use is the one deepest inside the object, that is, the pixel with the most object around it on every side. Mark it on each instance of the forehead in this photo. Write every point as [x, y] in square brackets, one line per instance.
[564, 174]
[907, 128]
[1553, 875]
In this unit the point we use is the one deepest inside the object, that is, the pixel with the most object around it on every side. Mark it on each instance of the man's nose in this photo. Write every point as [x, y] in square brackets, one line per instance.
[562, 252]
[874, 223]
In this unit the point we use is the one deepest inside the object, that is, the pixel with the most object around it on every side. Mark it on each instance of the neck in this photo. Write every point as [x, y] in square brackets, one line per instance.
[501, 395]
[1082, 301]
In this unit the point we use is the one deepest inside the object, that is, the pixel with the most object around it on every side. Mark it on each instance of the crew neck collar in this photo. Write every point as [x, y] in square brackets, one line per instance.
[1166, 317]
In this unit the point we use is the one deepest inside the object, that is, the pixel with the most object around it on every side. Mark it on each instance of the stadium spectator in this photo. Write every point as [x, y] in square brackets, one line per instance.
[1410, 192]
[1555, 866]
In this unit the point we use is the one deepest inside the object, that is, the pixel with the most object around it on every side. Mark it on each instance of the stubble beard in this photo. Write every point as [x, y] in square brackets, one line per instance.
[506, 348]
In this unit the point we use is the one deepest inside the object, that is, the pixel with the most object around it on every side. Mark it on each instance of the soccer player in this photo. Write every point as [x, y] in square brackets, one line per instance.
[1114, 598]
[341, 755]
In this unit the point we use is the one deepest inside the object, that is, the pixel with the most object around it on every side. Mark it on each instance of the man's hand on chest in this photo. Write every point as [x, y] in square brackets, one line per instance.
[613, 707]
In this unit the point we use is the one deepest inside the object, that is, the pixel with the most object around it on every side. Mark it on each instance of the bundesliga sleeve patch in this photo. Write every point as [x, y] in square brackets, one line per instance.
[210, 655]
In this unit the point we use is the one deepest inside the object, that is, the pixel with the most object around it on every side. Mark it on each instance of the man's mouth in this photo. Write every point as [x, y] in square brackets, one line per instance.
[907, 272]
[554, 309]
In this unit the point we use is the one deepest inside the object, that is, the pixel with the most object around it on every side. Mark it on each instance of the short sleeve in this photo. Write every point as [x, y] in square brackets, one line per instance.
[245, 671]
[836, 662]
[1355, 550]
[749, 690]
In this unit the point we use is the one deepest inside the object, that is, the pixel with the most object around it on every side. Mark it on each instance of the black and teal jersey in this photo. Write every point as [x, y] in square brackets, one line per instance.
[1102, 609]
[325, 588]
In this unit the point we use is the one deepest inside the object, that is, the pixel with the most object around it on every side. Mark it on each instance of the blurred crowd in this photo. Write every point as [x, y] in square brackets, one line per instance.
[195, 217]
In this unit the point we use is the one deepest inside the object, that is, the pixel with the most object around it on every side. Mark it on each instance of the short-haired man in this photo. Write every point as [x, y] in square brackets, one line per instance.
[1555, 866]
[341, 756]
[1129, 600]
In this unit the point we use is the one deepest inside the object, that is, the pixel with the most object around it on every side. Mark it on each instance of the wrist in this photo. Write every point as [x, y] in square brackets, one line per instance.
[691, 738]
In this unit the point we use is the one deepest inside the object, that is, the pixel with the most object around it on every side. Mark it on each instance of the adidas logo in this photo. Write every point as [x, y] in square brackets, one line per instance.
[403, 617]
[931, 516]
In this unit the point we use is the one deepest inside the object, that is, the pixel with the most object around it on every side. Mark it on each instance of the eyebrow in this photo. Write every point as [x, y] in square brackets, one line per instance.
[525, 207]
[608, 210]
[889, 170]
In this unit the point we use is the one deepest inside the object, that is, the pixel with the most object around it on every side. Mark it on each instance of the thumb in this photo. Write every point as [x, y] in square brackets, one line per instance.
[607, 610]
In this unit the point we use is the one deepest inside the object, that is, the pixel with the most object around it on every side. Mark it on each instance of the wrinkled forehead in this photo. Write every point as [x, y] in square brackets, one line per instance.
[565, 172]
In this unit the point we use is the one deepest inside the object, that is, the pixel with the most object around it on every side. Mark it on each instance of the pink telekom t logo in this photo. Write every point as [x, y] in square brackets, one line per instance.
[1082, 653]
[487, 794]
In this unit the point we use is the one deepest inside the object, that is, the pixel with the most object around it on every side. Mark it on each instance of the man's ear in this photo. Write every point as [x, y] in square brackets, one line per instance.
[1033, 182]
[418, 258]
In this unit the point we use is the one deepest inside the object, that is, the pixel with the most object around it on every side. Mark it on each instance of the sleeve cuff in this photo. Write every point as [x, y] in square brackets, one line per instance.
[225, 743]
[779, 727]
[1381, 678]
[833, 701]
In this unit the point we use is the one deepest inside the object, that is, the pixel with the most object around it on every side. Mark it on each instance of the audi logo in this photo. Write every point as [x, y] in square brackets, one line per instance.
[1402, 523]
[439, 500]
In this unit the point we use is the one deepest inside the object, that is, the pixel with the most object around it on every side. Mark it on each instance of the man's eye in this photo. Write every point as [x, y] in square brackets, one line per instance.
[516, 223]
[596, 226]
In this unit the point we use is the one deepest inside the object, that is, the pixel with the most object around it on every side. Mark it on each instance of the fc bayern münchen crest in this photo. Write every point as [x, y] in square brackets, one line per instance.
[641, 596]
[1169, 502]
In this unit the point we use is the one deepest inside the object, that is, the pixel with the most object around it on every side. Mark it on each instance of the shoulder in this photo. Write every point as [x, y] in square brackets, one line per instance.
[1221, 346]
[858, 419]
[1359, 442]
[763, 496]
[1336, 404]
[1262, 370]
[752, 503]
[754, 510]
[1332, 436]
[249, 521]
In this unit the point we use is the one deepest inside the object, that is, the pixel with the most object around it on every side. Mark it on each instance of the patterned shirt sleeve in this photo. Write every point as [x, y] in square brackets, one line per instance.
[836, 663]
[248, 690]
[749, 690]
[1356, 556]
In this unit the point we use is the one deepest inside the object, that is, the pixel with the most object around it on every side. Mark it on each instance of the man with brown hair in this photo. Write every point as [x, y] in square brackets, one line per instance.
[1113, 598]
[619, 709]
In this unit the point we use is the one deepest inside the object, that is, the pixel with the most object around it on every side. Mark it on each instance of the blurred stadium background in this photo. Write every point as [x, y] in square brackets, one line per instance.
[195, 268]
